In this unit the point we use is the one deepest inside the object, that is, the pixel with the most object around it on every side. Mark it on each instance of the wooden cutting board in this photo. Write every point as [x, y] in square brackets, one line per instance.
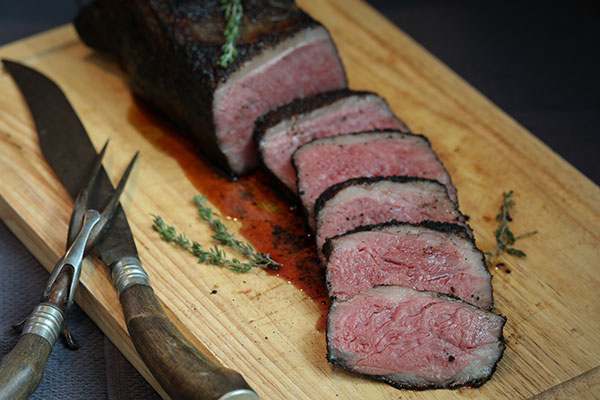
[265, 326]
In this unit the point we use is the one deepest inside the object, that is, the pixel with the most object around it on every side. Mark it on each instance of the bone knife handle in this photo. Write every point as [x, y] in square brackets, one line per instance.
[22, 369]
[181, 369]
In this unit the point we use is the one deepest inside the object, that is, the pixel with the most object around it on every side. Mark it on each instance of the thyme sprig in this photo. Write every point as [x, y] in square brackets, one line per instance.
[504, 236]
[214, 255]
[223, 236]
[233, 15]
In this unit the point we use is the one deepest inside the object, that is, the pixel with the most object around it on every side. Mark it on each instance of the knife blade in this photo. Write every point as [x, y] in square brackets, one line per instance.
[181, 369]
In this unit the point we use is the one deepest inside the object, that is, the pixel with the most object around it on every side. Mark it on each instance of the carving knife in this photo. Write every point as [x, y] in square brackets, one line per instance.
[182, 370]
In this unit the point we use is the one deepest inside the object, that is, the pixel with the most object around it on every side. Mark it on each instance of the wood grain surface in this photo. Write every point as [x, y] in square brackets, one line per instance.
[266, 328]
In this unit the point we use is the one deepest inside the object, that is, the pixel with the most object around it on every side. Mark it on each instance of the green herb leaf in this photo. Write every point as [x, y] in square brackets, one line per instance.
[503, 234]
[214, 255]
[515, 252]
[510, 238]
[223, 236]
[233, 12]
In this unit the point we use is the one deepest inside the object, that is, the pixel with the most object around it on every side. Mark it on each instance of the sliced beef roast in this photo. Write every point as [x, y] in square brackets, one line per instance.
[171, 51]
[434, 256]
[280, 132]
[324, 162]
[414, 340]
[368, 201]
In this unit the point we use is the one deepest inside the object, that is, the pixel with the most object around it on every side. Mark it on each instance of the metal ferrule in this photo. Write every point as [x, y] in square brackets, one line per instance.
[46, 321]
[240, 394]
[129, 272]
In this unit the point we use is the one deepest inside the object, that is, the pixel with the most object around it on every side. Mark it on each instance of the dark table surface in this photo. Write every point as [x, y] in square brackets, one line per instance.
[538, 61]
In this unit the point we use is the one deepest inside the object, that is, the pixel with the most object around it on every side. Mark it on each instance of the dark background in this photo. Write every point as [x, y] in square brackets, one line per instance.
[538, 61]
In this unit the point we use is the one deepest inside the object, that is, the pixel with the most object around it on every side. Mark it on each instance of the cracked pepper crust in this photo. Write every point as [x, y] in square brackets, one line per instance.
[189, 34]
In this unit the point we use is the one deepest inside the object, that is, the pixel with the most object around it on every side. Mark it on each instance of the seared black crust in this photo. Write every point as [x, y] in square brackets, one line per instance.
[462, 230]
[284, 192]
[295, 108]
[406, 386]
[170, 50]
[330, 192]
[391, 132]
[380, 131]
[445, 227]
[301, 107]
[264, 24]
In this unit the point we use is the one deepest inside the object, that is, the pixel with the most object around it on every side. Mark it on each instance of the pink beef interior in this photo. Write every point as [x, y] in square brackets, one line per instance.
[415, 336]
[325, 162]
[279, 75]
[353, 114]
[384, 201]
[414, 257]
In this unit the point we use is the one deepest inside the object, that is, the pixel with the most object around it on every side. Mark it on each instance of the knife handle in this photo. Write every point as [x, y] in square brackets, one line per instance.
[181, 369]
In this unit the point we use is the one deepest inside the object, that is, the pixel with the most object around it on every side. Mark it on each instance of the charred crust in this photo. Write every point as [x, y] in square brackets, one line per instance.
[406, 386]
[452, 297]
[142, 34]
[392, 133]
[295, 108]
[449, 296]
[443, 227]
[300, 192]
[475, 383]
[282, 191]
[327, 249]
[263, 25]
[446, 227]
[91, 32]
[301, 107]
[330, 192]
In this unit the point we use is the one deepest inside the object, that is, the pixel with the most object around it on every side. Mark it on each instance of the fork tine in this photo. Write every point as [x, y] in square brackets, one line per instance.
[82, 198]
[111, 206]
[114, 199]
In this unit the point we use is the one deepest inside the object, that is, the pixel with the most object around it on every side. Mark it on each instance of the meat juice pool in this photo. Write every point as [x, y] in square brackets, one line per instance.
[269, 224]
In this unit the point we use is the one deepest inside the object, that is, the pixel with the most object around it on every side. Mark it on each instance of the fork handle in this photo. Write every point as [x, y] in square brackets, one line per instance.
[22, 369]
